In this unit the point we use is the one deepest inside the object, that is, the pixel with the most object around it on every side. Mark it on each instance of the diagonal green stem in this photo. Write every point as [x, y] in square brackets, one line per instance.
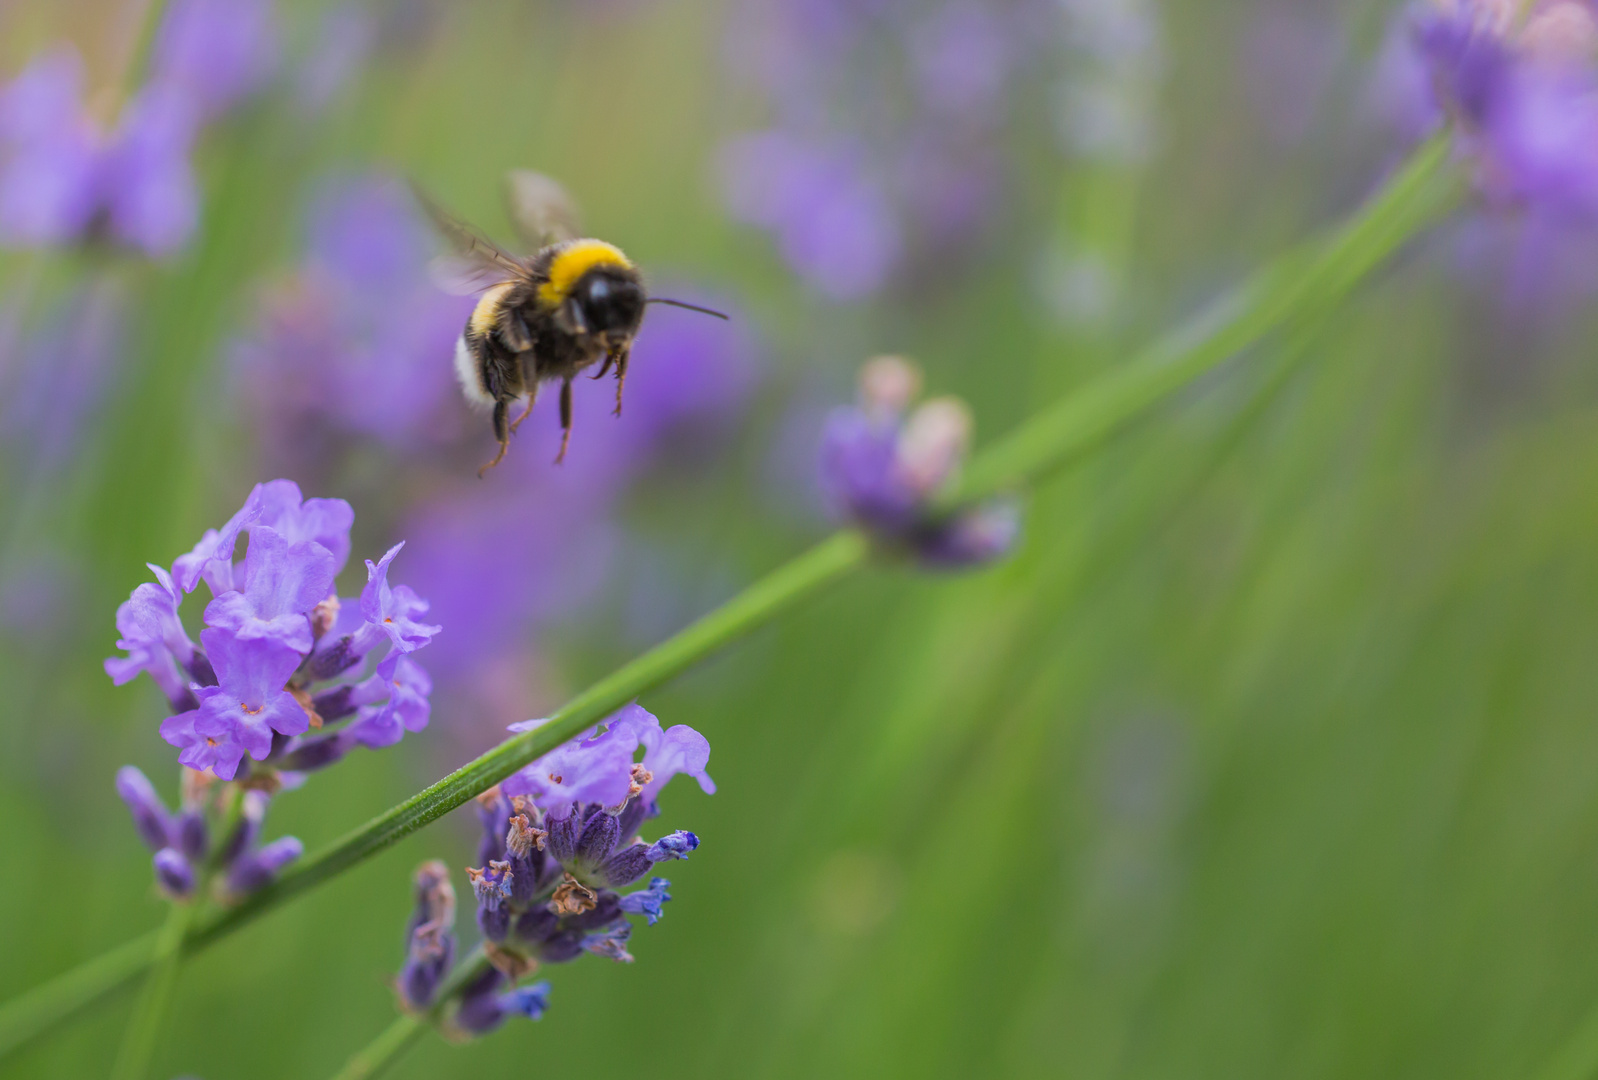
[1298, 286]
[384, 1050]
[144, 1026]
[399, 1036]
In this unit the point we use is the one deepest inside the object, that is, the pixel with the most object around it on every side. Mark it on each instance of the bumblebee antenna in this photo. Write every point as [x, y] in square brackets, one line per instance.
[691, 307]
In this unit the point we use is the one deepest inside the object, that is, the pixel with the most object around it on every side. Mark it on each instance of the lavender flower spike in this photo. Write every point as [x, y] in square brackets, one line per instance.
[883, 464]
[155, 640]
[430, 937]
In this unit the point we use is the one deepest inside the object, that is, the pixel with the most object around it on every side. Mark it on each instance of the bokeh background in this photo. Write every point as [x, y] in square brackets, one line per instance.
[1271, 752]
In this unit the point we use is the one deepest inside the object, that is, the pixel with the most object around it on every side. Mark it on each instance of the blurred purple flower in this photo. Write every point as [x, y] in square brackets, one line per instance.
[54, 377]
[215, 52]
[1525, 96]
[352, 342]
[834, 225]
[344, 40]
[49, 153]
[65, 178]
[883, 464]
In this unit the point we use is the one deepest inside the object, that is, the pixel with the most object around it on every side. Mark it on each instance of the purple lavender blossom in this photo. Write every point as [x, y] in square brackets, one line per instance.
[882, 464]
[429, 937]
[350, 345]
[216, 52]
[49, 153]
[1525, 94]
[240, 714]
[64, 178]
[276, 628]
[556, 847]
[599, 767]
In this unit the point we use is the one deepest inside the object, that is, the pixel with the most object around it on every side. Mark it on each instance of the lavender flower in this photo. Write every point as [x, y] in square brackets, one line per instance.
[349, 345]
[274, 632]
[882, 464]
[1524, 92]
[182, 842]
[64, 178]
[560, 838]
[430, 936]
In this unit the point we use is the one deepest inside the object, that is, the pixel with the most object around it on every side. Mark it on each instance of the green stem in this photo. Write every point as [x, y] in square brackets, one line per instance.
[1294, 288]
[144, 1026]
[46, 1006]
[384, 1050]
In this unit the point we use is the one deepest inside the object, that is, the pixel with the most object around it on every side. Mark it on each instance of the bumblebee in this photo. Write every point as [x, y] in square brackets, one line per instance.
[543, 318]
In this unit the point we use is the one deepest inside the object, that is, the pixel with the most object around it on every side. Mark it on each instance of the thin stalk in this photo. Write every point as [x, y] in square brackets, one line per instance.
[1297, 286]
[384, 1050]
[149, 1012]
[399, 1036]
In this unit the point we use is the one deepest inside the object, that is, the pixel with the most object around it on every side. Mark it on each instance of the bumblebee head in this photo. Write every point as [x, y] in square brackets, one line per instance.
[608, 302]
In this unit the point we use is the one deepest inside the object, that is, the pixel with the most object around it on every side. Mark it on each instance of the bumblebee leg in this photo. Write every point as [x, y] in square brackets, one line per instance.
[621, 375]
[532, 399]
[604, 369]
[501, 434]
[565, 420]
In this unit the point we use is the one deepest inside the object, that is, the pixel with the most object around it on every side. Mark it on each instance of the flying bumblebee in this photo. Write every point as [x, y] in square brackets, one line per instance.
[542, 318]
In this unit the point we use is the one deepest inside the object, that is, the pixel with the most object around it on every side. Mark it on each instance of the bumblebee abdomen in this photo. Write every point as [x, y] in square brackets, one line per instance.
[485, 316]
[469, 372]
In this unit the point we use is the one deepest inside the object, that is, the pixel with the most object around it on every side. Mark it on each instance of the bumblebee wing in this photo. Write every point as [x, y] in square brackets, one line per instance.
[476, 262]
[540, 208]
[463, 275]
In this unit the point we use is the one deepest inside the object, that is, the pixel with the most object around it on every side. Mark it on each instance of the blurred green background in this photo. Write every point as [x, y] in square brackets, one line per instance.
[1270, 754]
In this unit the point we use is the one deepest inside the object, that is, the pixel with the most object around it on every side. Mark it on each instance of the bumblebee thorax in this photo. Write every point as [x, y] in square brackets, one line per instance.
[571, 262]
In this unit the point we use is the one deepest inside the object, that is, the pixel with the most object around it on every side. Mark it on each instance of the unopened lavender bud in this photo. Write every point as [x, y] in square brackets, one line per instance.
[150, 815]
[627, 865]
[648, 902]
[251, 814]
[480, 1010]
[333, 659]
[492, 884]
[174, 873]
[257, 869]
[308, 755]
[934, 443]
[888, 384]
[563, 835]
[494, 920]
[598, 838]
[193, 837]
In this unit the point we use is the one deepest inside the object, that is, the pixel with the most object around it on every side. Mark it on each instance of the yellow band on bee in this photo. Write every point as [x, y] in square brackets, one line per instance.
[572, 262]
[487, 309]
